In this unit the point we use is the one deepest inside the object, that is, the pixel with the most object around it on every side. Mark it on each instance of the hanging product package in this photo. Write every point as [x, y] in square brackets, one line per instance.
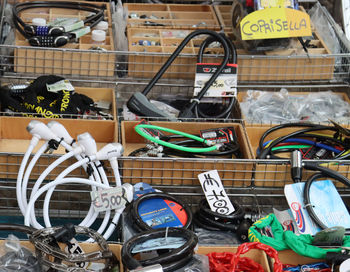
[47, 96]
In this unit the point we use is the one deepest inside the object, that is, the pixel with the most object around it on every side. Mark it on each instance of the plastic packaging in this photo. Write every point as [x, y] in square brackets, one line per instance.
[199, 263]
[14, 257]
[119, 18]
[281, 107]
[324, 28]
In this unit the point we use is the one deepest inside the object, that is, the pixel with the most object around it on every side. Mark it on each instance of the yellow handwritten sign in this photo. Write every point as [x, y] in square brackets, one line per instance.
[274, 23]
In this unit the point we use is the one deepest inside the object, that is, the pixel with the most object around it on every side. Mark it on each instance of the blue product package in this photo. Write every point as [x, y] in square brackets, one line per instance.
[161, 213]
[327, 204]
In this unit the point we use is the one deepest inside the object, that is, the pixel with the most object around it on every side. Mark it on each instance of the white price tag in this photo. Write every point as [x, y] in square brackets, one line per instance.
[108, 199]
[225, 84]
[62, 85]
[75, 248]
[215, 192]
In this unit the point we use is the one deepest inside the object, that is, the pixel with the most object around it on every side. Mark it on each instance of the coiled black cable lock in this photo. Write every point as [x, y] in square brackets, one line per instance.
[54, 36]
[169, 261]
[139, 104]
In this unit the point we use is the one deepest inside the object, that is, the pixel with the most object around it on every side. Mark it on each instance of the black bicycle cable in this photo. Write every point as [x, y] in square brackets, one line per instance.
[170, 261]
[265, 152]
[139, 104]
[48, 36]
[233, 59]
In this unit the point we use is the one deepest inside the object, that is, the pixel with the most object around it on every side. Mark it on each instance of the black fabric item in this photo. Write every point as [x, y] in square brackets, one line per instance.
[37, 101]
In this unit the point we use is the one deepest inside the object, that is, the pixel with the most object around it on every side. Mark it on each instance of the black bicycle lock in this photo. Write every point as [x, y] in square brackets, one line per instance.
[54, 36]
[139, 103]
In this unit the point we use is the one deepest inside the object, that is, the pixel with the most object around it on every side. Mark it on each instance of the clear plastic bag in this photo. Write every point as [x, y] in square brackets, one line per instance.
[281, 107]
[14, 257]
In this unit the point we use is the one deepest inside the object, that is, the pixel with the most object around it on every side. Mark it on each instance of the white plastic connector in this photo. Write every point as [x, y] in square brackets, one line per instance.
[129, 191]
[109, 151]
[40, 130]
[88, 143]
[60, 131]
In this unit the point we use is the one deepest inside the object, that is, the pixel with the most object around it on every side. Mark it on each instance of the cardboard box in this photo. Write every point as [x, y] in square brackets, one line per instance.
[278, 65]
[183, 171]
[242, 95]
[277, 174]
[254, 254]
[290, 63]
[14, 138]
[292, 258]
[71, 59]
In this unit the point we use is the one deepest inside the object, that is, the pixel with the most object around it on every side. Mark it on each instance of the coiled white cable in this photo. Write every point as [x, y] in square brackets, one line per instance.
[38, 131]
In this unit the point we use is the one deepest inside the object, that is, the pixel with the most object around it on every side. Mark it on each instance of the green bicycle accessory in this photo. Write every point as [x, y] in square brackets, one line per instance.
[139, 129]
[282, 240]
[270, 221]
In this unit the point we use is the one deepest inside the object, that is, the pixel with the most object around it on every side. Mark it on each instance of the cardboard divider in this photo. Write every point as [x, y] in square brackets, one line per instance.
[174, 16]
[183, 171]
[60, 61]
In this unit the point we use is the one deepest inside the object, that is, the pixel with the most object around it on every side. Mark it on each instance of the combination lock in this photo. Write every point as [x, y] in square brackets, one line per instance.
[48, 41]
[32, 30]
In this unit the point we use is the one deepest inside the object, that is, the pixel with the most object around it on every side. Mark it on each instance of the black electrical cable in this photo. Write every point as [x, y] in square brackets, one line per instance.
[233, 59]
[213, 221]
[137, 101]
[169, 261]
[266, 152]
[136, 218]
[323, 172]
[219, 221]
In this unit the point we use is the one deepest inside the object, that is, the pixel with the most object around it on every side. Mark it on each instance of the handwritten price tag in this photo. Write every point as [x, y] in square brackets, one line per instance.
[108, 199]
[215, 192]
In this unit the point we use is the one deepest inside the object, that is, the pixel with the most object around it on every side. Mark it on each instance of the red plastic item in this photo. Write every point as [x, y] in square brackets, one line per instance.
[231, 262]
[249, 3]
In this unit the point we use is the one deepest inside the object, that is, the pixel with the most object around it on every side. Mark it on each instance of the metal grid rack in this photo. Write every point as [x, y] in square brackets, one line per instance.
[128, 66]
[72, 201]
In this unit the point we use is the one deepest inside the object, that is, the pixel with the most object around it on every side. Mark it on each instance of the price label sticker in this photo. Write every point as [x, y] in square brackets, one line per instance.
[108, 199]
[215, 192]
[225, 84]
[60, 86]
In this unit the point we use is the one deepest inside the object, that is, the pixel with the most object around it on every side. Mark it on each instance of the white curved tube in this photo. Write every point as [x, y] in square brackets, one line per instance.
[30, 206]
[29, 171]
[43, 176]
[64, 173]
[25, 159]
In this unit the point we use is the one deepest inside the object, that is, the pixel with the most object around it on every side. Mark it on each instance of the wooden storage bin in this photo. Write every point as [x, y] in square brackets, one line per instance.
[71, 59]
[187, 16]
[182, 171]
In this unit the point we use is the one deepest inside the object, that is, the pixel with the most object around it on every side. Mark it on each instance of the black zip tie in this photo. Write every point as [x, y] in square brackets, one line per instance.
[89, 170]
